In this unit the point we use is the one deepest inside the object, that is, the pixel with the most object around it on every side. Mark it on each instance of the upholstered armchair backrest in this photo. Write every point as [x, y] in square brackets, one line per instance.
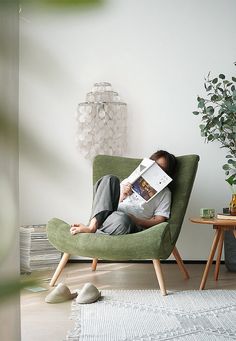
[181, 188]
[115, 165]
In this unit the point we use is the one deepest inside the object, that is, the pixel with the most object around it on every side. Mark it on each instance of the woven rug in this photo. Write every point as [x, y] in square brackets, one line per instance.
[129, 315]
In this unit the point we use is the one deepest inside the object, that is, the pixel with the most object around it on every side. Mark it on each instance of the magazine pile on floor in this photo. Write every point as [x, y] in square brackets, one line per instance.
[36, 253]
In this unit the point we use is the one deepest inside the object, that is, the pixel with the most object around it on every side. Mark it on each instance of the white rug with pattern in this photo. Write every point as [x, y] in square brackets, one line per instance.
[130, 315]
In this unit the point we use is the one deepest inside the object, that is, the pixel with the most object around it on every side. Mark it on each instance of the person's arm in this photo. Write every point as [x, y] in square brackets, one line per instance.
[146, 223]
[161, 211]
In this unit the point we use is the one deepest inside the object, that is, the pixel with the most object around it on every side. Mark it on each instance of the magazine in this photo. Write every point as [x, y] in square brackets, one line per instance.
[148, 179]
[226, 216]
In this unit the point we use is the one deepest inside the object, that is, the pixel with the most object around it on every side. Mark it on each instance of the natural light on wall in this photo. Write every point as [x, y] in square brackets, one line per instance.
[101, 122]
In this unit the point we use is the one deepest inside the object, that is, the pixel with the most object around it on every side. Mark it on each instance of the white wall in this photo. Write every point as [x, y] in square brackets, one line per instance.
[156, 55]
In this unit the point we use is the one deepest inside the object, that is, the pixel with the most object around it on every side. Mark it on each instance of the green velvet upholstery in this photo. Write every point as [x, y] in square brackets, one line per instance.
[156, 242]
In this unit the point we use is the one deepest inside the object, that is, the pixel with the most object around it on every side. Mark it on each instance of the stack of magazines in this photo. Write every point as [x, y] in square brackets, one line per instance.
[36, 253]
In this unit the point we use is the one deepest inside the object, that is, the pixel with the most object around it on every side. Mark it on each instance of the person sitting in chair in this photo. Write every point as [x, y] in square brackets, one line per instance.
[118, 210]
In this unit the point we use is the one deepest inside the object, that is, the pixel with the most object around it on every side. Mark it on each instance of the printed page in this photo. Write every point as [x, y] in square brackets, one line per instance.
[156, 177]
[140, 170]
[151, 182]
[143, 189]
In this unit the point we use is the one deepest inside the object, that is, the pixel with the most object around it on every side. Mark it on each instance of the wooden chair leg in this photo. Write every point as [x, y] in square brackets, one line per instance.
[180, 263]
[59, 268]
[159, 274]
[94, 264]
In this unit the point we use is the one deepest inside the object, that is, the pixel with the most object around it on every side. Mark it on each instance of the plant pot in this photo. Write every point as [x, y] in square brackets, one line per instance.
[232, 205]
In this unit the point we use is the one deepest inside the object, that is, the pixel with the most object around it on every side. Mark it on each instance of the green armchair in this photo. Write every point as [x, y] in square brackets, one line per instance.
[156, 243]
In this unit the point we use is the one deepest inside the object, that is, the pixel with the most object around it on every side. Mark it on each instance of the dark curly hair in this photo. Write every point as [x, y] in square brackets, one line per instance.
[170, 159]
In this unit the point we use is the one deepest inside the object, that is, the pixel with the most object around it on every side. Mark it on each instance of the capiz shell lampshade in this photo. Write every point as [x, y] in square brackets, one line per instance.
[101, 122]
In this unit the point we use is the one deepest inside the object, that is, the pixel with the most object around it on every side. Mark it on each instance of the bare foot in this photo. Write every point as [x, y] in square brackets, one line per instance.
[81, 228]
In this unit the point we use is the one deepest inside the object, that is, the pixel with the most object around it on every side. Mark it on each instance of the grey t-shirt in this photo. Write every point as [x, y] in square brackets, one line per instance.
[159, 205]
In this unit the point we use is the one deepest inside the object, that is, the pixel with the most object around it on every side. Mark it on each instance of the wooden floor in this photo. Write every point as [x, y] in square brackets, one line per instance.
[43, 321]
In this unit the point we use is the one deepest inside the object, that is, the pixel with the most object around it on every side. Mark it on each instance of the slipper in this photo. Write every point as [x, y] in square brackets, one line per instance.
[60, 294]
[88, 294]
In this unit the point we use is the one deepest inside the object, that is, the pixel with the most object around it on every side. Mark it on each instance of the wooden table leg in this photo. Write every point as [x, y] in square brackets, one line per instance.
[210, 258]
[220, 246]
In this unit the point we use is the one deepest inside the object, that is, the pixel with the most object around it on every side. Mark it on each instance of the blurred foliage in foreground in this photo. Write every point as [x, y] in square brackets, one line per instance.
[64, 4]
[12, 286]
[9, 41]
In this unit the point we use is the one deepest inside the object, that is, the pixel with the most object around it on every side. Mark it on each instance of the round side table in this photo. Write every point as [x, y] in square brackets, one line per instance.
[220, 226]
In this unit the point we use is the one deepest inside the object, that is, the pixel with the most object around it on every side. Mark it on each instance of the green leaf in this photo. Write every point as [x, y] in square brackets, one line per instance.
[215, 121]
[215, 80]
[210, 137]
[201, 104]
[222, 76]
[221, 90]
[234, 79]
[196, 112]
[228, 127]
[203, 134]
[214, 98]
[210, 109]
[231, 179]
[226, 167]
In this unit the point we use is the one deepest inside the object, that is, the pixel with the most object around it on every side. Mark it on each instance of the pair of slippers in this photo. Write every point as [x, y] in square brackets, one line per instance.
[88, 294]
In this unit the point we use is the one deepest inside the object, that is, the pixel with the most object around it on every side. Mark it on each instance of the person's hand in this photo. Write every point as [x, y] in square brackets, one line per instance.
[126, 189]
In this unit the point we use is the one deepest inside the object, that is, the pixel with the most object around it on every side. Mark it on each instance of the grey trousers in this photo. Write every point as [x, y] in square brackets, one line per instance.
[105, 203]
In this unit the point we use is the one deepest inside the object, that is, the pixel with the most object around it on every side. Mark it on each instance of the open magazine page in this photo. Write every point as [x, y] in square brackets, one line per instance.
[142, 167]
[150, 182]
[143, 188]
[156, 177]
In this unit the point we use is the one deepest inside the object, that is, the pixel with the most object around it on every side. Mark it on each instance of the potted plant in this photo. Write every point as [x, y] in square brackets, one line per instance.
[218, 112]
[218, 123]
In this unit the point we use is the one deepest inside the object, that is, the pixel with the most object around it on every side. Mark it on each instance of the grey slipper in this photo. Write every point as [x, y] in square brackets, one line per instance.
[60, 294]
[88, 294]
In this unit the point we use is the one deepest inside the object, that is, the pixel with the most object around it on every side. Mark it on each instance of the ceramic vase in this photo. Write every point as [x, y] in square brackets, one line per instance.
[232, 205]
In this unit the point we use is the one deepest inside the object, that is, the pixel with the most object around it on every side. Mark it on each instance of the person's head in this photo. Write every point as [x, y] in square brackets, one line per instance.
[165, 160]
